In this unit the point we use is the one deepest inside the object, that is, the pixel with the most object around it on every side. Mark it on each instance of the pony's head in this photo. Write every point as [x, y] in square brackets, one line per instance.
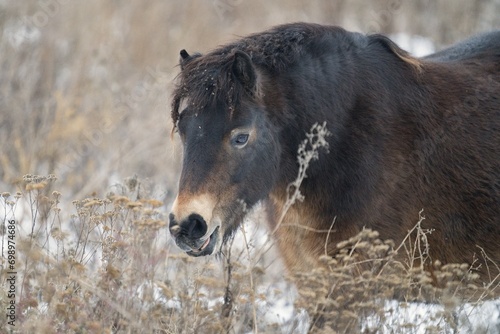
[230, 148]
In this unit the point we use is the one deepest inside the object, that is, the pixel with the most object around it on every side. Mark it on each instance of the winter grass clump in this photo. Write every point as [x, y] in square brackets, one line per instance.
[366, 287]
[110, 267]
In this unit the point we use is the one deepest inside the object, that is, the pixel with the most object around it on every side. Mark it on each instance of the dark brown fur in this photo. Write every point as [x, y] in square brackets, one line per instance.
[407, 134]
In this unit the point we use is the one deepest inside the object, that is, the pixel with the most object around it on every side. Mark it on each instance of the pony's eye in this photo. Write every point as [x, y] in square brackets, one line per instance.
[240, 139]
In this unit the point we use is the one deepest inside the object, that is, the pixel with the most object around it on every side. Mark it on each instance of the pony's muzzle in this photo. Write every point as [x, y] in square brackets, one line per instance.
[190, 235]
[192, 225]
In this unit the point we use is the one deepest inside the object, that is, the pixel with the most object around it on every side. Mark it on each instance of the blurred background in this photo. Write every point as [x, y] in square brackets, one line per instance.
[85, 95]
[85, 85]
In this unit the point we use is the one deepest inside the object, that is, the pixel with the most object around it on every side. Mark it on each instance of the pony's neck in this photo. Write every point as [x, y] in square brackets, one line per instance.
[359, 114]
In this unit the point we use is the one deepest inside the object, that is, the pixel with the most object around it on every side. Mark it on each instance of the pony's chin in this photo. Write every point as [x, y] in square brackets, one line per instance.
[208, 246]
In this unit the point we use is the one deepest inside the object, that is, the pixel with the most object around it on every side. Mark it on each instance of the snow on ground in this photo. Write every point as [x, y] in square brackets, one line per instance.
[481, 318]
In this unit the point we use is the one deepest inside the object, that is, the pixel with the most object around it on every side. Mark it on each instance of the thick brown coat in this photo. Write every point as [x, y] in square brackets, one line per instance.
[407, 135]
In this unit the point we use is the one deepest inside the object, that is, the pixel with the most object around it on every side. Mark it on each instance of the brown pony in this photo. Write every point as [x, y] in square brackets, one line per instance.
[406, 134]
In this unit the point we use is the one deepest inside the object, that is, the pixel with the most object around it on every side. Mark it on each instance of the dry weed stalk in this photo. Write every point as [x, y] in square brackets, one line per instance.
[307, 152]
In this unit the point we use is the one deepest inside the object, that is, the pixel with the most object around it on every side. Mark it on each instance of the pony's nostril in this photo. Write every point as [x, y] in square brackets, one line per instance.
[173, 226]
[197, 227]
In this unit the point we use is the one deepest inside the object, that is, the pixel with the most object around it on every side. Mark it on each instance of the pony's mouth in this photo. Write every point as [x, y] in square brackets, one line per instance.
[208, 246]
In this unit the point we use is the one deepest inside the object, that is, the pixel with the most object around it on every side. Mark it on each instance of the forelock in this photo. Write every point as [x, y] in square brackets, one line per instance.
[203, 82]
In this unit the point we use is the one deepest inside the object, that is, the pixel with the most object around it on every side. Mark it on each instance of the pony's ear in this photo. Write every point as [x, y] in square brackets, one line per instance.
[244, 70]
[186, 58]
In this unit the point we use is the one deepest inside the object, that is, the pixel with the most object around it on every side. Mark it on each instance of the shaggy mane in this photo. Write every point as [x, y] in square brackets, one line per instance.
[204, 79]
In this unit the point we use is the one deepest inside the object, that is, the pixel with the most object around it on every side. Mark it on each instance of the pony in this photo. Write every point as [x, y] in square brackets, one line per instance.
[405, 134]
